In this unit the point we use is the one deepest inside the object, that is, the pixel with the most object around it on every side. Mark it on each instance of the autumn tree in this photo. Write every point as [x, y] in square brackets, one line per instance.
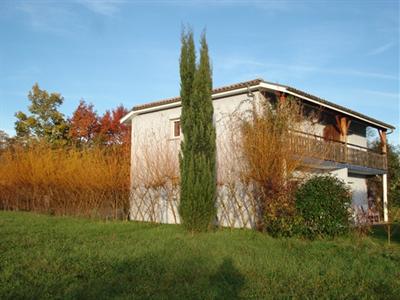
[45, 120]
[89, 128]
[84, 124]
[121, 131]
[106, 132]
[112, 132]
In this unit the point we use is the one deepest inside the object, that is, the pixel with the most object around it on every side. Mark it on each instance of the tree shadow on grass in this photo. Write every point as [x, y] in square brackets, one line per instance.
[227, 281]
[155, 277]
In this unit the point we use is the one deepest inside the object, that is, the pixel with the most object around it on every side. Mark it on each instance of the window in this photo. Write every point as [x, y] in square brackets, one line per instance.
[176, 128]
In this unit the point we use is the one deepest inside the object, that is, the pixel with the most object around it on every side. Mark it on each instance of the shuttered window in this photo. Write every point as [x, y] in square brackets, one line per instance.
[177, 128]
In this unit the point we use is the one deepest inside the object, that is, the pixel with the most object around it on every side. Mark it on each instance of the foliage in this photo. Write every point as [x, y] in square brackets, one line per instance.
[112, 132]
[286, 225]
[92, 182]
[70, 258]
[4, 139]
[393, 157]
[393, 178]
[197, 162]
[187, 66]
[271, 156]
[87, 128]
[41, 171]
[393, 161]
[269, 159]
[84, 124]
[324, 204]
[45, 121]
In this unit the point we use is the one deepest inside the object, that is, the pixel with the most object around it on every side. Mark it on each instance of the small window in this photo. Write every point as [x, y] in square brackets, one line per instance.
[176, 128]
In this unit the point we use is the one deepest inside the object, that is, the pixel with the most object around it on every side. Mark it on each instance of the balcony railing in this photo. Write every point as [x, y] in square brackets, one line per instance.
[317, 147]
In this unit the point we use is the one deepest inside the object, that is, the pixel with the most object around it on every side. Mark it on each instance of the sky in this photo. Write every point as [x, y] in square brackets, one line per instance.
[127, 52]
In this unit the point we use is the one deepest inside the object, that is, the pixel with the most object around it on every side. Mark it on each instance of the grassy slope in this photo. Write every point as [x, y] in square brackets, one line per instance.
[43, 257]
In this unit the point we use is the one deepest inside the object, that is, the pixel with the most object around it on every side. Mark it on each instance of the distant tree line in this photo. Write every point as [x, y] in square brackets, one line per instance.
[44, 122]
[77, 165]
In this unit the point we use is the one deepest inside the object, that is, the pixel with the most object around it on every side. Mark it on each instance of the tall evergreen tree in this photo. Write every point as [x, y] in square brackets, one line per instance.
[197, 161]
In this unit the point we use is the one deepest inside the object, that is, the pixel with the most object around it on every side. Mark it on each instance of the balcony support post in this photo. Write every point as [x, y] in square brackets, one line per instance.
[382, 135]
[385, 198]
[343, 124]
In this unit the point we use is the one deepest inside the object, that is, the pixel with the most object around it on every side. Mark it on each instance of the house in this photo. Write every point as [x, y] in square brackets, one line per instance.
[156, 137]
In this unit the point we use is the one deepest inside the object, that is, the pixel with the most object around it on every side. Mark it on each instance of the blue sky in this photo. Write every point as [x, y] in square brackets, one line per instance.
[126, 52]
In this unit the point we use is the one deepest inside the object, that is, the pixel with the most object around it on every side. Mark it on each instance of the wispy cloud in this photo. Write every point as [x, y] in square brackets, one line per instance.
[360, 73]
[230, 64]
[103, 7]
[21, 74]
[381, 49]
[65, 17]
[270, 4]
[50, 17]
[395, 96]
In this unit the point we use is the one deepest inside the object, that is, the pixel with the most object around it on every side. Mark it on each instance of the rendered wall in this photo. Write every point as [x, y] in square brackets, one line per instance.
[155, 167]
[358, 186]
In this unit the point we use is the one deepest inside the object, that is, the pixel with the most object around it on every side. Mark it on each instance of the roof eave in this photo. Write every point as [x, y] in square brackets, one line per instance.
[255, 85]
[175, 102]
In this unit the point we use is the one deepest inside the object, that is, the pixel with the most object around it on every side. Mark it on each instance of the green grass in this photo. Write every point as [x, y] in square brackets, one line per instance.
[55, 257]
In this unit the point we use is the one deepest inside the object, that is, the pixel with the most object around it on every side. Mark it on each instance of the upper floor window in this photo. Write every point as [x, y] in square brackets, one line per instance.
[176, 128]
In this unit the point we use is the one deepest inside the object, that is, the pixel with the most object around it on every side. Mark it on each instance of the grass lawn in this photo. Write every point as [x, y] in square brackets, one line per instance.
[62, 257]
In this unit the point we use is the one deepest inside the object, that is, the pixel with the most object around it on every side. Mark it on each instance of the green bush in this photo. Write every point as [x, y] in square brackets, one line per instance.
[284, 226]
[324, 204]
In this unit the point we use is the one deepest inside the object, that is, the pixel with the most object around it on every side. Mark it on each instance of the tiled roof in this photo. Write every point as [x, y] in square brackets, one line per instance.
[214, 91]
[350, 111]
[257, 82]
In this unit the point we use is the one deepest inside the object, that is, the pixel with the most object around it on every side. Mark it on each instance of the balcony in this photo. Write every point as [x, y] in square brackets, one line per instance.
[339, 152]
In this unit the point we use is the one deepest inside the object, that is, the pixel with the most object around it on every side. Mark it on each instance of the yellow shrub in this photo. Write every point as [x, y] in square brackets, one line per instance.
[66, 181]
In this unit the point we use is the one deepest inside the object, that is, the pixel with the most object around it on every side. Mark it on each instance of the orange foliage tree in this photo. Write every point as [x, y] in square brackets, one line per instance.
[84, 124]
[112, 132]
[86, 127]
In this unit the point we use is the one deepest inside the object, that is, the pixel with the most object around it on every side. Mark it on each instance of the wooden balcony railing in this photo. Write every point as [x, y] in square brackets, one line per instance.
[317, 147]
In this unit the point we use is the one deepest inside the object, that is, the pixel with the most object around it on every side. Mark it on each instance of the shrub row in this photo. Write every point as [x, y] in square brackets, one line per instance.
[91, 182]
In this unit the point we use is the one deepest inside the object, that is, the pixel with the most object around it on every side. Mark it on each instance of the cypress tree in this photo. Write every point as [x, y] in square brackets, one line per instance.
[197, 161]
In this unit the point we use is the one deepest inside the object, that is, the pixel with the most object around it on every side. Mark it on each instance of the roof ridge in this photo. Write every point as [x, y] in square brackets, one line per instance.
[257, 81]
[221, 89]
